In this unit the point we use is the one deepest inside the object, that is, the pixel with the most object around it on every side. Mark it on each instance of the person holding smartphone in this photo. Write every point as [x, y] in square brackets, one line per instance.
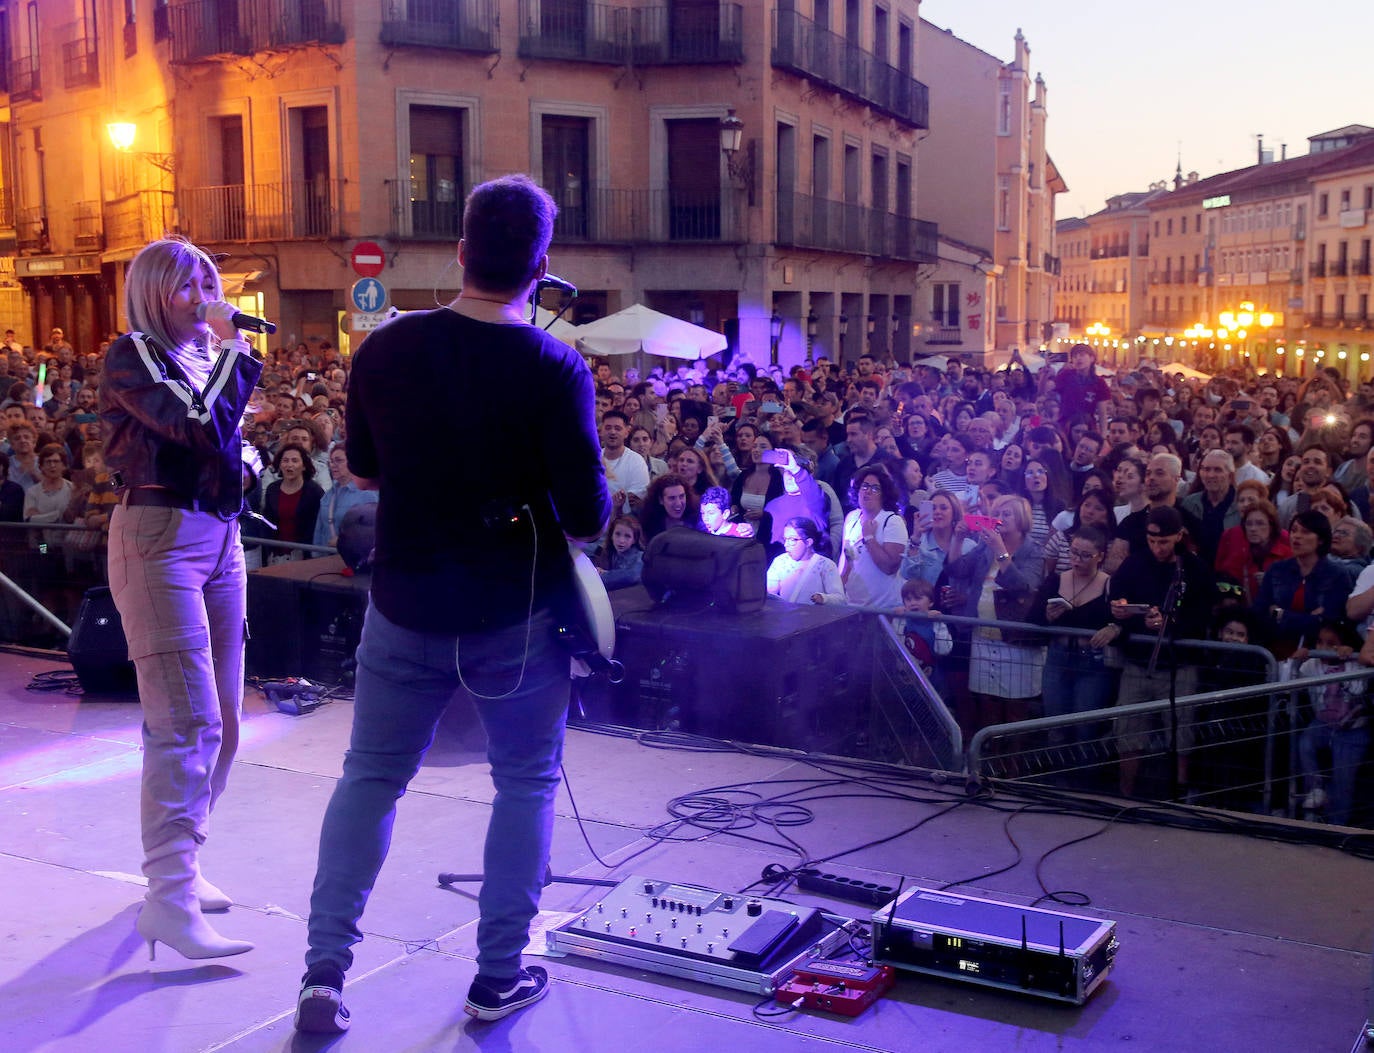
[875, 538]
[1137, 597]
[1077, 678]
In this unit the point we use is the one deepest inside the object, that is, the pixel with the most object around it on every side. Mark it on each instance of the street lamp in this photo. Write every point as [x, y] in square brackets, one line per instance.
[774, 337]
[740, 166]
[1097, 334]
[122, 134]
[812, 327]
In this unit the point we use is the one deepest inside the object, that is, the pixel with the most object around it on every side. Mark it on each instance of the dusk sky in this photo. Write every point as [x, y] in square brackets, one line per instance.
[1130, 86]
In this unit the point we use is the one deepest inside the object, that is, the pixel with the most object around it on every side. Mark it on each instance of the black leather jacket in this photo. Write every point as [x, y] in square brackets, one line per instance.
[159, 429]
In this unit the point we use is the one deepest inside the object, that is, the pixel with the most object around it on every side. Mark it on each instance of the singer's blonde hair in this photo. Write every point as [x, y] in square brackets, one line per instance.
[159, 270]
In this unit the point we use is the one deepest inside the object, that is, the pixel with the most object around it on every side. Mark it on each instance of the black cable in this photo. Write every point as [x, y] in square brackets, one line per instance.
[65, 680]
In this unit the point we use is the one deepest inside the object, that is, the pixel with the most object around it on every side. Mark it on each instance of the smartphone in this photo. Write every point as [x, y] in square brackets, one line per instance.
[1131, 608]
[771, 407]
[312, 376]
[980, 522]
[661, 412]
[773, 457]
[1059, 601]
[711, 422]
[926, 510]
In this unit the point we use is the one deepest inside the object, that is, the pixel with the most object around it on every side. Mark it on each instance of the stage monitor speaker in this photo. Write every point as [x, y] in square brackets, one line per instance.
[689, 567]
[98, 651]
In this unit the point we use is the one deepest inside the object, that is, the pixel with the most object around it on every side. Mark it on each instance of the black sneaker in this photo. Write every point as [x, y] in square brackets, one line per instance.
[486, 1002]
[320, 1008]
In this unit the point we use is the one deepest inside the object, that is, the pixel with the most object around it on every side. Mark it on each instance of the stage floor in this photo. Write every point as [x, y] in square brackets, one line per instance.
[1227, 943]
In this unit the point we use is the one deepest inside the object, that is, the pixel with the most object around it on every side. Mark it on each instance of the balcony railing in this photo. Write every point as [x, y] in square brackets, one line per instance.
[802, 47]
[687, 34]
[263, 211]
[619, 35]
[810, 222]
[24, 80]
[459, 25]
[1319, 269]
[86, 223]
[80, 64]
[944, 330]
[137, 219]
[32, 230]
[203, 29]
[1337, 268]
[6, 208]
[609, 216]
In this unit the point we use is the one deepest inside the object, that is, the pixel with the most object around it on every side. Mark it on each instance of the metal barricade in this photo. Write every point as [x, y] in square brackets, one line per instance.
[46, 568]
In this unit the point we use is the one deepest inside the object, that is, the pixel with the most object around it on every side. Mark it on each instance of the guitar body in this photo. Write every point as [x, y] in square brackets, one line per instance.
[592, 642]
[594, 601]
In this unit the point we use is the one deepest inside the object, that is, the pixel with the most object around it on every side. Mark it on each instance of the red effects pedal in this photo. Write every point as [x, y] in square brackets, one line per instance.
[845, 988]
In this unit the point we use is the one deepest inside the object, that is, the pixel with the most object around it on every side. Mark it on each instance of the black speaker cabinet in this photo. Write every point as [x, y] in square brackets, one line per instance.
[98, 651]
[304, 619]
[788, 675]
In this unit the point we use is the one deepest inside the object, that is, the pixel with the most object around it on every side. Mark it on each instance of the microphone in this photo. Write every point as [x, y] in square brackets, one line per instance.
[242, 321]
[553, 281]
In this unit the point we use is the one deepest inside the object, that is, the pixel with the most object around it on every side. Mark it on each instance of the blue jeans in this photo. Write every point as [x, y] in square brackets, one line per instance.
[1348, 747]
[405, 680]
[1076, 680]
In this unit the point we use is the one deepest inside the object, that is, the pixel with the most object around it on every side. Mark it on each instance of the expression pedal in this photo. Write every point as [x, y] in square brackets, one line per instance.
[748, 943]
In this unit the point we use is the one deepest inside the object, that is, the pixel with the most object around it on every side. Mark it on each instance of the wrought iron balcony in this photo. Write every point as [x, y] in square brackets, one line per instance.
[1360, 268]
[86, 222]
[24, 81]
[80, 63]
[944, 329]
[297, 210]
[608, 216]
[458, 25]
[6, 208]
[136, 219]
[802, 47]
[1337, 268]
[207, 29]
[810, 222]
[687, 34]
[32, 230]
[576, 32]
[1319, 269]
[617, 35]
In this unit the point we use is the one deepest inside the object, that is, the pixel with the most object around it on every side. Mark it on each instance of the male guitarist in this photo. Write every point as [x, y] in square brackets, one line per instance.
[471, 565]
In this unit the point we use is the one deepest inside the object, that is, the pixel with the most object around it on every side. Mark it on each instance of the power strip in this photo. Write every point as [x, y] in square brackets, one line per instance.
[871, 893]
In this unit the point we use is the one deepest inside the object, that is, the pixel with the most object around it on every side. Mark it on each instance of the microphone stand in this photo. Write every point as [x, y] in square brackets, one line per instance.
[1167, 611]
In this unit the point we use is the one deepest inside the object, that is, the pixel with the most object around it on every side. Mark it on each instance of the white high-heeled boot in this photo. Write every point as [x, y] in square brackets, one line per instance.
[171, 913]
[209, 896]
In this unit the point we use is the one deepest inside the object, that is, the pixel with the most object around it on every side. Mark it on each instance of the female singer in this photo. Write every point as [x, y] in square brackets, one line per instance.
[172, 395]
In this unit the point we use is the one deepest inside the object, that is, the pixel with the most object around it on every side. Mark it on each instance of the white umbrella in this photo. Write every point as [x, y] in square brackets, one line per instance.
[637, 328]
[938, 362]
[560, 329]
[1188, 372]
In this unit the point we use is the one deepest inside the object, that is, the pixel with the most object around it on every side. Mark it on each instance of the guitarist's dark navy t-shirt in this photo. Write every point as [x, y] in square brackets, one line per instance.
[455, 544]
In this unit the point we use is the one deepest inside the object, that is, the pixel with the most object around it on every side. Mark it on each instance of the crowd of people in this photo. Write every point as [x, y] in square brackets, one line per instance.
[1073, 499]
[1126, 506]
[53, 467]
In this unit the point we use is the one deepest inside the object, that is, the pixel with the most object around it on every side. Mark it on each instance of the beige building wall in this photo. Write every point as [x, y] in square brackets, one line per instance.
[986, 177]
[1337, 307]
[281, 156]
